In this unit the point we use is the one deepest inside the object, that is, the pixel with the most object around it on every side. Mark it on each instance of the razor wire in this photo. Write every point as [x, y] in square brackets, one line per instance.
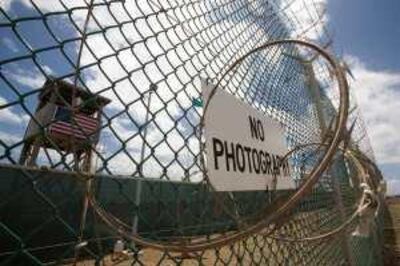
[333, 146]
[147, 179]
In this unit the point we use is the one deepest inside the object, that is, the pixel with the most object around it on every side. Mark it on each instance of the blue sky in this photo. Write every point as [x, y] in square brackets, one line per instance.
[367, 32]
[171, 60]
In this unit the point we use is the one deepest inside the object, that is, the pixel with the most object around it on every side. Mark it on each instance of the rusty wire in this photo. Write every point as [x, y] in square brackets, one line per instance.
[362, 164]
[151, 57]
[339, 129]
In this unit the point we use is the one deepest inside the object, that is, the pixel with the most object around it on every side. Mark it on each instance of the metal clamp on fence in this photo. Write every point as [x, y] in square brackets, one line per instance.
[178, 130]
[264, 219]
[367, 211]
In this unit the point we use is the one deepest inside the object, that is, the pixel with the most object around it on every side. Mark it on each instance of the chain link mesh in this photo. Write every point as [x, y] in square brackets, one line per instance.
[133, 69]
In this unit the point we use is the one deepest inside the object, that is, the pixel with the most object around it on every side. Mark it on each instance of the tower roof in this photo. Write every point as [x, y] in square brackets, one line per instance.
[64, 91]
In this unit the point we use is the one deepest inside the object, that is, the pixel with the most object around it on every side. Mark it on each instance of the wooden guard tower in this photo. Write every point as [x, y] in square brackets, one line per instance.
[56, 126]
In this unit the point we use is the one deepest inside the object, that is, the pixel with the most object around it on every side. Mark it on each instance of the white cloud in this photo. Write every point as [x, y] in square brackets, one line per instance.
[10, 44]
[48, 6]
[45, 5]
[393, 187]
[9, 138]
[7, 116]
[27, 78]
[6, 4]
[378, 94]
[306, 18]
[167, 70]
[31, 78]
[110, 70]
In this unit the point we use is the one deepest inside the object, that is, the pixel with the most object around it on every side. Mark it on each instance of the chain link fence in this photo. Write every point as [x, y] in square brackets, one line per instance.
[101, 146]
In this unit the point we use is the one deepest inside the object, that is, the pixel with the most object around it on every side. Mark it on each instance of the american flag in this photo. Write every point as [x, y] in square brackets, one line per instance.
[83, 127]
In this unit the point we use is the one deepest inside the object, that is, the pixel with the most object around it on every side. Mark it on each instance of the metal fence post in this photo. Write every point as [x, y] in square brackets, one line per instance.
[316, 98]
[138, 191]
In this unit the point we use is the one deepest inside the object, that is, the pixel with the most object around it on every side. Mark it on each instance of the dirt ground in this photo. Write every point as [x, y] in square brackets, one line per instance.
[392, 232]
[245, 251]
[154, 257]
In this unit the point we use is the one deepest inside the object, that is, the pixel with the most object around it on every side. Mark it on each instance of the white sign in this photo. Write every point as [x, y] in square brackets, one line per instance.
[244, 146]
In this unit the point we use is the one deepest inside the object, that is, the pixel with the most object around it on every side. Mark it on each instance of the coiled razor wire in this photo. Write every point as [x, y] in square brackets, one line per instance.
[370, 197]
[264, 221]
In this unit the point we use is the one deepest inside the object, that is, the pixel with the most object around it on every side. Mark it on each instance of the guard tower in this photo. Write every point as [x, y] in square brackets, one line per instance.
[56, 126]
